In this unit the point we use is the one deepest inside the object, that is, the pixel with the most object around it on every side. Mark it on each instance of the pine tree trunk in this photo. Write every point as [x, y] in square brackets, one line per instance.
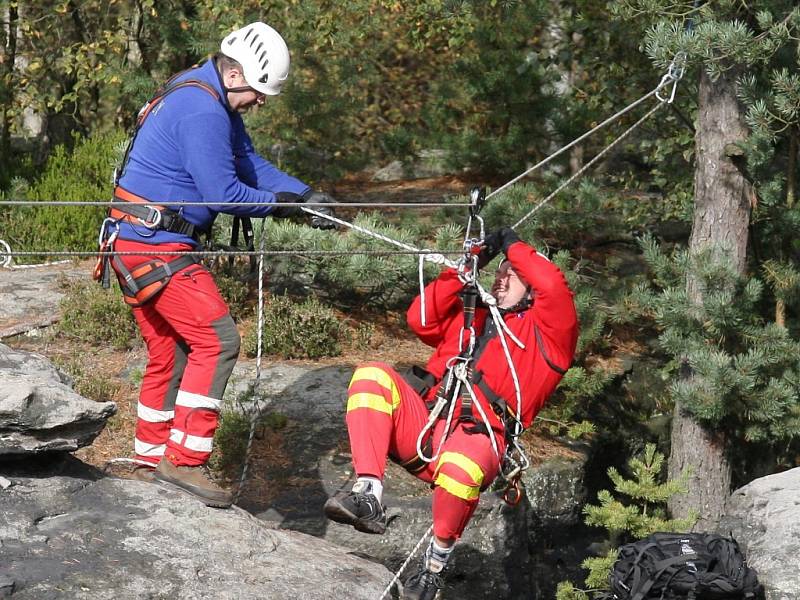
[9, 57]
[721, 218]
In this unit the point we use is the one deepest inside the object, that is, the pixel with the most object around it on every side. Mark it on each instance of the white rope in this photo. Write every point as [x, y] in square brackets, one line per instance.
[578, 140]
[7, 259]
[434, 258]
[588, 165]
[673, 75]
[256, 410]
[402, 568]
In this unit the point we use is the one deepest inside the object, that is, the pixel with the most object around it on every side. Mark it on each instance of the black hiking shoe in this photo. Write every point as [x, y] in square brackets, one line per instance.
[422, 585]
[361, 510]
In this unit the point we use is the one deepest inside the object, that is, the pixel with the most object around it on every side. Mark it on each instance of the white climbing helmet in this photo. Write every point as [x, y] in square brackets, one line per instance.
[263, 55]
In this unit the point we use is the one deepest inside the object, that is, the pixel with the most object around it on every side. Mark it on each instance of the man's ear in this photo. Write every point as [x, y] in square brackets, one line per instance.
[233, 72]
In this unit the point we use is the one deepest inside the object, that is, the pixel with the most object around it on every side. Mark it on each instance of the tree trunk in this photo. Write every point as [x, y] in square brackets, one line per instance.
[7, 84]
[721, 218]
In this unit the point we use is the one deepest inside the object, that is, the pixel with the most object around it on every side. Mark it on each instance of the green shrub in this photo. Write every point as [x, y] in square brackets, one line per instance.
[96, 316]
[234, 291]
[83, 175]
[642, 511]
[230, 439]
[88, 382]
[350, 279]
[293, 329]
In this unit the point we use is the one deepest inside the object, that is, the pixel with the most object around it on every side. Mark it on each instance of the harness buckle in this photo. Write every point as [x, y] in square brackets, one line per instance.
[153, 219]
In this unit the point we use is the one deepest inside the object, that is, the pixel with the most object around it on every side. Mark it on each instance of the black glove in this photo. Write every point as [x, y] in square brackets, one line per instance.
[489, 249]
[507, 236]
[283, 212]
[323, 198]
[494, 242]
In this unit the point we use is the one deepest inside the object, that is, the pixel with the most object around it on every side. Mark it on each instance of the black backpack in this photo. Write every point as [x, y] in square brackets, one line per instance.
[696, 566]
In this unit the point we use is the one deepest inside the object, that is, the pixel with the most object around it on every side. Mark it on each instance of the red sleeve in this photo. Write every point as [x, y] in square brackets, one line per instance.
[442, 305]
[553, 302]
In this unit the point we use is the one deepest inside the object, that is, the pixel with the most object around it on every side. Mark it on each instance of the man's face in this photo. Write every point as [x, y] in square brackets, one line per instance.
[509, 289]
[244, 100]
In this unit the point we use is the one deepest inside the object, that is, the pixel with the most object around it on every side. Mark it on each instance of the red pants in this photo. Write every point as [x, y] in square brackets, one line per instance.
[385, 416]
[192, 346]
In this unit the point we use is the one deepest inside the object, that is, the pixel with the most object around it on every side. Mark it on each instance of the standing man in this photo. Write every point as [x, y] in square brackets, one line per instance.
[191, 146]
[386, 412]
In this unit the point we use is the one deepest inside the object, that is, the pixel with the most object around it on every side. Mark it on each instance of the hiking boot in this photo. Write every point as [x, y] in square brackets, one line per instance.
[422, 585]
[361, 510]
[196, 481]
[144, 473]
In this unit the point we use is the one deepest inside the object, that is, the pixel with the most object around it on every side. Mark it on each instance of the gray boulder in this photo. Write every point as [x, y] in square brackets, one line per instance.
[428, 163]
[67, 531]
[764, 517]
[39, 412]
[556, 488]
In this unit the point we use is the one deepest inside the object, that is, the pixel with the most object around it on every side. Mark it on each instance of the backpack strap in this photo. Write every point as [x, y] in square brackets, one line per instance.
[660, 567]
[162, 92]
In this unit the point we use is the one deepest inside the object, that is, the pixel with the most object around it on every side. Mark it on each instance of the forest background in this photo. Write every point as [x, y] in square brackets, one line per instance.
[681, 245]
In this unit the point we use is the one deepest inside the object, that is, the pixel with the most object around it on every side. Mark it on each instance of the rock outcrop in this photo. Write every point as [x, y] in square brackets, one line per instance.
[764, 517]
[30, 296]
[67, 531]
[39, 412]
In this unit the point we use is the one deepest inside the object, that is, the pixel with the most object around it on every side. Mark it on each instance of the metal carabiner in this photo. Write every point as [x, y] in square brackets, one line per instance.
[157, 220]
[673, 75]
[512, 494]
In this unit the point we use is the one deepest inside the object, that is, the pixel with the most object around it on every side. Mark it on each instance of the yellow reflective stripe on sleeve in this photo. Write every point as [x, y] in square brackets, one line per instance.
[367, 400]
[379, 376]
[469, 466]
[459, 490]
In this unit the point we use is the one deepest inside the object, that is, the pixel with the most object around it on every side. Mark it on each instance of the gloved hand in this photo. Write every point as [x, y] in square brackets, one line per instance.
[489, 249]
[323, 198]
[507, 236]
[283, 212]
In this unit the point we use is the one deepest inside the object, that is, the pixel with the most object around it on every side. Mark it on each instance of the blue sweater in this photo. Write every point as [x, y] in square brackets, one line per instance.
[194, 148]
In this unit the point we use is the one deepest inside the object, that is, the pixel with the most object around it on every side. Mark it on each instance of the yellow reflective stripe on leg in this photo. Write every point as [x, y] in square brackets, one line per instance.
[469, 466]
[459, 490]
[367, 400]
[381, 377]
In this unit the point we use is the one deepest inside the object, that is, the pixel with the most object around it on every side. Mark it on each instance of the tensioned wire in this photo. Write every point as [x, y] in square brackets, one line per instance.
[112, 203]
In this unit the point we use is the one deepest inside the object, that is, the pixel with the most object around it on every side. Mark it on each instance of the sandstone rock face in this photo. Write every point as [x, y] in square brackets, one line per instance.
[29, 297]
[556, 489]
[764, 517]
[39, 412]
[66, 531]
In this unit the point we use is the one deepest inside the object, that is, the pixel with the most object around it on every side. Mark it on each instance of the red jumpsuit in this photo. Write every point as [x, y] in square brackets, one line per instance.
[385, 414]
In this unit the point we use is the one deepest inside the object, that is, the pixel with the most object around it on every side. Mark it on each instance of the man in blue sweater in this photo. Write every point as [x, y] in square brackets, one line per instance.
[191, 147]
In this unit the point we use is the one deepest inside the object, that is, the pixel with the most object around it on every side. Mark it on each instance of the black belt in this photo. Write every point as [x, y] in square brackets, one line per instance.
[150, 214]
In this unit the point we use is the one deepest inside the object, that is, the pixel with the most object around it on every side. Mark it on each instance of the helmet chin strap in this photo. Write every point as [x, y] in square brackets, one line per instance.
[239, 89]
